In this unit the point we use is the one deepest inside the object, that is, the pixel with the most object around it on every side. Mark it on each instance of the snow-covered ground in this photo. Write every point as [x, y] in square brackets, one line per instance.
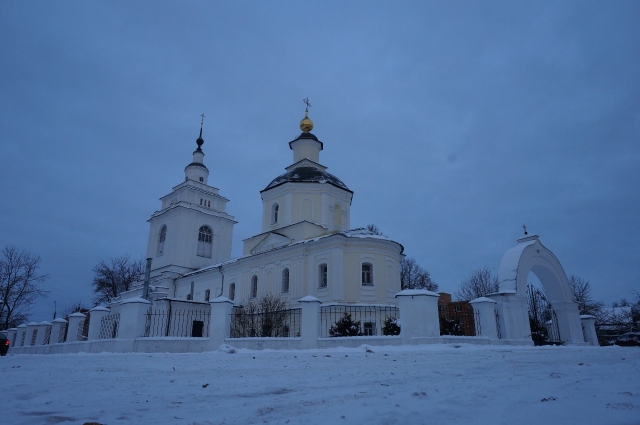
[438, 384]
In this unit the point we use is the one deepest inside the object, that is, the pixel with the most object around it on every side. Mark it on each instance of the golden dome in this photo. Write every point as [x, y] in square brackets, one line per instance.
[306, 124]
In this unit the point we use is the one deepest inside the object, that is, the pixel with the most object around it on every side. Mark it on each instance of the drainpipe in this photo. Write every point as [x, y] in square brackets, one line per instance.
[221, 286]
[145, 288]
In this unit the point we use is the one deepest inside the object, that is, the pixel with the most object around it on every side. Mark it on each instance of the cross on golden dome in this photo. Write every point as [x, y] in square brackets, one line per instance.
[306, 124]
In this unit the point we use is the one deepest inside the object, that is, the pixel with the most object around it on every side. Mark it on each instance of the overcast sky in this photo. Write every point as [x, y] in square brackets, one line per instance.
[454, 123]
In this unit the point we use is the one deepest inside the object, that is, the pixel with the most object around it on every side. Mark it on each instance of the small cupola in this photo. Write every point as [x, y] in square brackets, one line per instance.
[197, 171]
[306, 145]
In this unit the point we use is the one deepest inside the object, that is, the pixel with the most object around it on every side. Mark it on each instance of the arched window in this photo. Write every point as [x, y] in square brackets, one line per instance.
[232, 291]
[275, 210]
[254, 286]
[161, 238]
[306, 209]
[367, 274]
[322, 276]
[205, 239]
[285, 280]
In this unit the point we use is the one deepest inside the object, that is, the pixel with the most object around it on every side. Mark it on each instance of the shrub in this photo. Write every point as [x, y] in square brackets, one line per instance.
[391, 326]
[346, 326]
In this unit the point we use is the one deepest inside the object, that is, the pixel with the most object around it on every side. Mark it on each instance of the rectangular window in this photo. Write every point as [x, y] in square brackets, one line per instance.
[207, 294]
[367, 274]
[232, 291]
[285, 280]
[322, 278]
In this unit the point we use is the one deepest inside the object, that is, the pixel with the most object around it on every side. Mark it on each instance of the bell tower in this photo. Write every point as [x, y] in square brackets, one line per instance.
[192, 229]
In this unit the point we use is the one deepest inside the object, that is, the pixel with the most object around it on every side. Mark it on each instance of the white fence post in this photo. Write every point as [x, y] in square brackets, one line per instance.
[133, 318]
[42, 330]
[310, 321]
[31, 328]
[486, 315]
[219, 321]
[589, 326]
[418, 314]
[75, 320]
[22, 335]
[56, 328]
[97, 313]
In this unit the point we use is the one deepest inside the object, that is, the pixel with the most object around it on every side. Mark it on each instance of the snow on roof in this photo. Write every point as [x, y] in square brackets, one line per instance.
[508, 269]
[482, 300]
[413, 292]
[308, 299]
[307, 175]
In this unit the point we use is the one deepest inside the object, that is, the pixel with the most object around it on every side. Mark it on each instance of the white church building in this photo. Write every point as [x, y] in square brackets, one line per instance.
[304, 248]
[307, 255]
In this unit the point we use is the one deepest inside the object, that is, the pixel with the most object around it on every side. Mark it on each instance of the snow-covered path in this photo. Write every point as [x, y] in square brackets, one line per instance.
[392, 385]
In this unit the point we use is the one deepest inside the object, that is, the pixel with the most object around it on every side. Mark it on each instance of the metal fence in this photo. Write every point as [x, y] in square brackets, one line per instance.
[461, 322]
[83, 329]
[542, 318]
[62, 335]
[498, 324]
[109, 326]
[281, 323]
[359, 320]
[177, 323]
[47, 335]
[34, 336]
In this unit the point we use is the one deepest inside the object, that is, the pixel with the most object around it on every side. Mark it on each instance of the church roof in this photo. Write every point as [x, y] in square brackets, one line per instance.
[307, 175]
[306, 135]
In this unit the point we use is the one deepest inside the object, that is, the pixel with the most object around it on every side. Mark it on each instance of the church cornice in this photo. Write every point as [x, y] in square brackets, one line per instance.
[197, 186]
[191, 206]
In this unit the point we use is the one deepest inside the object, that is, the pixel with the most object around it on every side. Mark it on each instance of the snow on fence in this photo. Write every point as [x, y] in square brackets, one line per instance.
[177, 323]
[280, 323]
[338, 320]
[460, 321]
[109, 326]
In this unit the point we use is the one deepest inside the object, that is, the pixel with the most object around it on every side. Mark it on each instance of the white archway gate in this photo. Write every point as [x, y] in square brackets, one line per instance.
[529, 255]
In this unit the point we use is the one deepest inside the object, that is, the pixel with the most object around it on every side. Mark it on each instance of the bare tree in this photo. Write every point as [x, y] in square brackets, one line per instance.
[479, 283]
[76, 307]
[582, 294]
[110, 280]
[374, 229]
[19, 285]
[413, 276]
[265, 317]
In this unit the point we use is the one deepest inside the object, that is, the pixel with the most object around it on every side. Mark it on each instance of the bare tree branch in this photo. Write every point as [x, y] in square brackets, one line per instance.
[412, 276]
[582, 294]
[479, 283]
[110, 280]
[19, 285]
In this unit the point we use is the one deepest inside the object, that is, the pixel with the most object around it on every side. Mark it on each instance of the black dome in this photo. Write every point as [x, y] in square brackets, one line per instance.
[307, 175]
